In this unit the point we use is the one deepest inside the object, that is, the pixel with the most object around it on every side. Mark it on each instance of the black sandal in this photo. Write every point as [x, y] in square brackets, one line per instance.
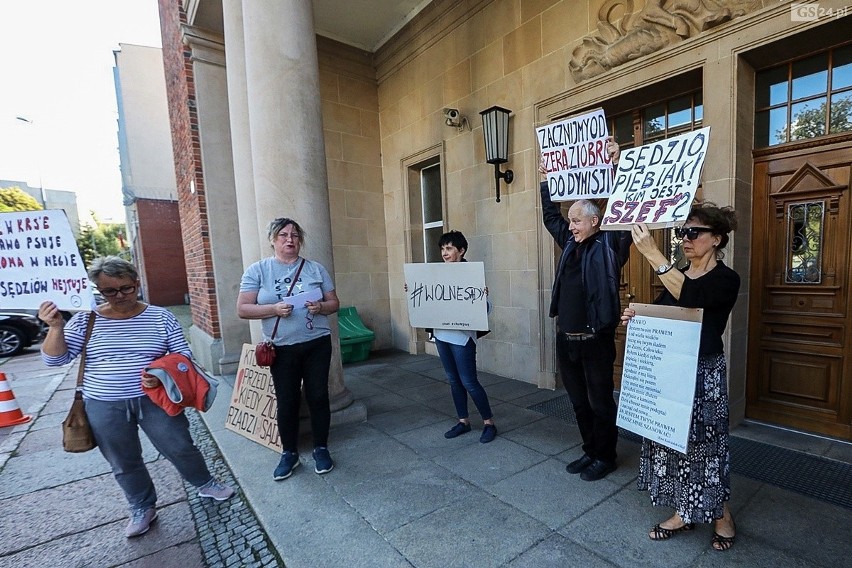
[661, 533]
[722, 543]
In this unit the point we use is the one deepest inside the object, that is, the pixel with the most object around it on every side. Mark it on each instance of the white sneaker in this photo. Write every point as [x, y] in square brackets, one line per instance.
[140, 521]
[215, 490]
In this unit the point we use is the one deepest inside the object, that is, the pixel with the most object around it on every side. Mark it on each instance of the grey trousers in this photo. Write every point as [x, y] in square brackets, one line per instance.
[115, 425]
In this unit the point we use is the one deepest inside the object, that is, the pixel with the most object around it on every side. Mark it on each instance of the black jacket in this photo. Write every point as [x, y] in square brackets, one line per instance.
[600, 268]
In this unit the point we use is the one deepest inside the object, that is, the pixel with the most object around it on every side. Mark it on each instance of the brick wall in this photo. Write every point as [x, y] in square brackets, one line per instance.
[161, 250]
[180, 90]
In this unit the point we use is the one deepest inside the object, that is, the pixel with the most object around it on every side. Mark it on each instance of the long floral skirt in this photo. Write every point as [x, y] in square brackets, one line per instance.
[696, 484]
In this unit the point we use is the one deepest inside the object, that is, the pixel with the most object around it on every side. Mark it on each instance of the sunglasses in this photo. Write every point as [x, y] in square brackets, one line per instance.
[691, 233]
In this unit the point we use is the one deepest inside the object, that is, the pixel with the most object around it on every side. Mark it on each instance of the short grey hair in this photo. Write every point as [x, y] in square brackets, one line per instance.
[112, 266]
[588, 208]
[276, 225]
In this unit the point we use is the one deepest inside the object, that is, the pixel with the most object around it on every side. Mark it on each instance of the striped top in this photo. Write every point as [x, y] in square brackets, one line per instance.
[119, 349]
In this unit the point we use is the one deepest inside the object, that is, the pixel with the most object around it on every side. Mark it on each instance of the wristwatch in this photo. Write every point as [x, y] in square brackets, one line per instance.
[663, 268]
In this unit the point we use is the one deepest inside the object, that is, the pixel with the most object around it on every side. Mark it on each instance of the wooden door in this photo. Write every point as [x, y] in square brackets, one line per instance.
[799, 372]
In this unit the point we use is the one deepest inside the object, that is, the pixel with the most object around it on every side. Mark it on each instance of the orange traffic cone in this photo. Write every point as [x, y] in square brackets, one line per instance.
[10, 412]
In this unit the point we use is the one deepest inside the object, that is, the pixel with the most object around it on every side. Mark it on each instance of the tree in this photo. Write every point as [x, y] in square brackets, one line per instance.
[810, 122]
[15, 199]
[102, 239]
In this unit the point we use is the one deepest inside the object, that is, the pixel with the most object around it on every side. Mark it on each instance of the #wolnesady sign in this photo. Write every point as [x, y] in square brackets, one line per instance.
[253, 410]
[448, 295]
[39, 261]
[658, 377]
[573, 152]
[655, 184]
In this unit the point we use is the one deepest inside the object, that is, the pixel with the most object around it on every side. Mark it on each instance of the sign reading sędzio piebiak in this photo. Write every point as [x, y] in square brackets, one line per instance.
[655, 184]
[573, 152]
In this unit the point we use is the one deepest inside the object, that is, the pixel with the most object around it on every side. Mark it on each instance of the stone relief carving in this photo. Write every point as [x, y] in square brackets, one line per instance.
[658, 24]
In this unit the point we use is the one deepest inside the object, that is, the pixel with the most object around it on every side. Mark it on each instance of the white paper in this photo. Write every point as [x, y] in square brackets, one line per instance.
[39, 261]
[658, 379]
[298, 300]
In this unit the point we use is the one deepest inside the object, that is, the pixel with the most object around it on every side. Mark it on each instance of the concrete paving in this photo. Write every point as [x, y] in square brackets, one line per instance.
[400, 494]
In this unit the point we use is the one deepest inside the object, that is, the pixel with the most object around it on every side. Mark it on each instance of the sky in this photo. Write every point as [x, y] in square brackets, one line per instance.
[56, 70]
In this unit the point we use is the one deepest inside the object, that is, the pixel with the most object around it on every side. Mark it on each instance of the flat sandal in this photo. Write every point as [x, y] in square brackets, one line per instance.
[661, 533]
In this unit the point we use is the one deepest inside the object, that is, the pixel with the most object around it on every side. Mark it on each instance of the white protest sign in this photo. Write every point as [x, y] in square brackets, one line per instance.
[253, 409]
[39, 261]
[656, 183]
[449, 295]
[658, 377]
[573, 152]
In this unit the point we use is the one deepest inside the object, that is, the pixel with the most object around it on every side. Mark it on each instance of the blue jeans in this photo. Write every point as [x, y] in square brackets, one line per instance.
[460, 365]
[296, 367]
[115, 425]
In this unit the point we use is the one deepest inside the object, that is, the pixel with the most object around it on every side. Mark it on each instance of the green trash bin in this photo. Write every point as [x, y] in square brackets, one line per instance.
[355, 339]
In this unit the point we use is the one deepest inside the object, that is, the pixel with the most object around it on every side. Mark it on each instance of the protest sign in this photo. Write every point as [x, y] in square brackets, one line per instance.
[655, 184]
[573, 152]
[449, 295]
[658, 377]
[39, 261]
[253, 409]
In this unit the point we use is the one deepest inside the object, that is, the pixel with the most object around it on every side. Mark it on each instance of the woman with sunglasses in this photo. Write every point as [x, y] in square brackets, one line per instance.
[301, 334]
[126, 337]
[696, 485]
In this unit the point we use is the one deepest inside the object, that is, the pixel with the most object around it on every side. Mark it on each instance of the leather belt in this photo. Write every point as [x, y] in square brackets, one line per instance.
[578, 336]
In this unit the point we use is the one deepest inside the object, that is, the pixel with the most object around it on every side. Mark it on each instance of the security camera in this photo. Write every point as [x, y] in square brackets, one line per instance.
[451, 114]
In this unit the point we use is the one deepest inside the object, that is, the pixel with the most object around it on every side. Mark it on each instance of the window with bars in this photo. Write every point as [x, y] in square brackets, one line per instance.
[804, 99]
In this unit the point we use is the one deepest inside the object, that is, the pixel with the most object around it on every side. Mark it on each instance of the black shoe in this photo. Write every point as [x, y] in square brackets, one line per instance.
[579, 465]
[457, 430]
[597, 470]
[488, 433]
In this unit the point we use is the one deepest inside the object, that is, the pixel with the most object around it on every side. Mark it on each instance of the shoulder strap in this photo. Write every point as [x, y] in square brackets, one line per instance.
[89, 326]
[293, 283]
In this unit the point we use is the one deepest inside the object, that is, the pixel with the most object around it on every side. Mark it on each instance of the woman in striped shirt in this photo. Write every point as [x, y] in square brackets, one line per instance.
[127, 336]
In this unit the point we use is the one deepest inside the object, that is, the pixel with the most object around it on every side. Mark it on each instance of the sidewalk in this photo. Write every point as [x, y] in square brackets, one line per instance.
[400, 494]
[66, 510]
[403, 495]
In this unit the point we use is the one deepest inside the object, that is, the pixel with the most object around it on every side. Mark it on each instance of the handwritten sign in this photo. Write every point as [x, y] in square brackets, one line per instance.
[39, 261]
[658, 380]
[656, 183]
[449, 295]
[574, 154]
[253, 409]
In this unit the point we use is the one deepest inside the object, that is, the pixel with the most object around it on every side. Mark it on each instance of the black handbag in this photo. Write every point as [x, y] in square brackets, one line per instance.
[77, 436]
[264, 352]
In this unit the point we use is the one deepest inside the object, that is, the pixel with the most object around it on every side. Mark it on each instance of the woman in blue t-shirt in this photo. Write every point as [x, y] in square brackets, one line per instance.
[301, 334]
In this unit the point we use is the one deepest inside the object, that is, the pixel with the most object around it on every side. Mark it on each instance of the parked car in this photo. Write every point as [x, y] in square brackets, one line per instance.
[18, 331]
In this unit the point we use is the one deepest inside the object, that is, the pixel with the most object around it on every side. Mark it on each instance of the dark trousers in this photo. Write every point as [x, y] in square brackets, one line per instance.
[303, 363]
[460, 365]
[586, 369]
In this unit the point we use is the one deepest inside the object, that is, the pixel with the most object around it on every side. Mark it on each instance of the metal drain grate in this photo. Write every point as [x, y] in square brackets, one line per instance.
[814, 476]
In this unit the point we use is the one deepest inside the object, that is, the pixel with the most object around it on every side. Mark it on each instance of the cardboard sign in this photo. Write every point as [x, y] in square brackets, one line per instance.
[448, 295]
[39, 260]
[656, 183]
[658, 377]
[574, 154]
[253, 408]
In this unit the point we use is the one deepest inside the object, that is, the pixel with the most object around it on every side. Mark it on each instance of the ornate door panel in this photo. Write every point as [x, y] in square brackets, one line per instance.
[799, 371]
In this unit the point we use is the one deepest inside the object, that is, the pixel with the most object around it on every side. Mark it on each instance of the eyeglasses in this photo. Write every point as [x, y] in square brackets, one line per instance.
[111, 292]
[309, 322]
[285, 236]
[691, 233]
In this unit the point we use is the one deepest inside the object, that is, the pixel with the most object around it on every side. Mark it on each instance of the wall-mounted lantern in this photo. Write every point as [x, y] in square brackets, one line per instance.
[495, 128]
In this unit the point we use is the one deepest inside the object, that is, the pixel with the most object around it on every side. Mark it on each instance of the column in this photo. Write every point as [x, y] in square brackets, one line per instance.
[286, 137]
